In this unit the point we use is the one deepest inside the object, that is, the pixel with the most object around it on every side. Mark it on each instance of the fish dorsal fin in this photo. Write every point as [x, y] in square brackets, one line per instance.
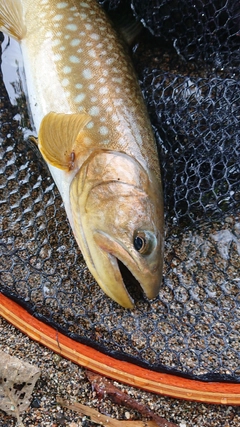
[61, 138]
[11, 19]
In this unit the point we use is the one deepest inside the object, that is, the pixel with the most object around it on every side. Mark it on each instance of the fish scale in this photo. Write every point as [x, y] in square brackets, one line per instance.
[87, 109]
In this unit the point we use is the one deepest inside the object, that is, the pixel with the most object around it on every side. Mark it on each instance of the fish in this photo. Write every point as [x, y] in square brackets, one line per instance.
[94, 133]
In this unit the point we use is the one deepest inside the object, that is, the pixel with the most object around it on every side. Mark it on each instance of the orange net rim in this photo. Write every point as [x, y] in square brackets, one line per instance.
[125, 372]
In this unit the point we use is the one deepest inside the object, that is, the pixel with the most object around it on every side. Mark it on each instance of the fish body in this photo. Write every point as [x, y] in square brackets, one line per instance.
[95, 135]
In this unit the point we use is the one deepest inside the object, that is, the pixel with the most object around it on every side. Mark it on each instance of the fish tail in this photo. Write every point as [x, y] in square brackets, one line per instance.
[11, 19]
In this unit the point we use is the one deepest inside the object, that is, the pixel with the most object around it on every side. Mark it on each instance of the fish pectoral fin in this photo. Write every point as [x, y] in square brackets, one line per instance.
[11, 19]
[62, 137]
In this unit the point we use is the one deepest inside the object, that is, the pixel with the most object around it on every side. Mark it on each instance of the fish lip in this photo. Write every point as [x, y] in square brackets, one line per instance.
[116, 254]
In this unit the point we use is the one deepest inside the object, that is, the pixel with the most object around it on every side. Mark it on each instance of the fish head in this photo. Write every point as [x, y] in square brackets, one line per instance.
[118, 220]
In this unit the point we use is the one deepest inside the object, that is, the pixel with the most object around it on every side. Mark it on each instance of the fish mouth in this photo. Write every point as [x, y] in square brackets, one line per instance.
[132, 285]
[129, 281]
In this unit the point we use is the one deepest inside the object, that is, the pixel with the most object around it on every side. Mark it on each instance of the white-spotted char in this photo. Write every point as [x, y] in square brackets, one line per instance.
[95, 135]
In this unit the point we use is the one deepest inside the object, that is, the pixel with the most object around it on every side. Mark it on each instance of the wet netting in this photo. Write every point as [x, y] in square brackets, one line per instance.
[187, 59]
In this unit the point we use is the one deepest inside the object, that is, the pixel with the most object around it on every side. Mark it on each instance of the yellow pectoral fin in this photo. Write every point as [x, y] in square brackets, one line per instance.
[11, 18]
[61, 138]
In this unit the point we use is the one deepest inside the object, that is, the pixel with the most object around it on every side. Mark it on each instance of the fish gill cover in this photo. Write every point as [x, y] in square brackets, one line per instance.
[187, 60]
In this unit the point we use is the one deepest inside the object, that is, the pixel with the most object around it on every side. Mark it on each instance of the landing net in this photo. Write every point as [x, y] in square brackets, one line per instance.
[187, 59]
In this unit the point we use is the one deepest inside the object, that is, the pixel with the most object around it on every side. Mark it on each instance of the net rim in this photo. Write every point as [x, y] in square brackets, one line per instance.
[125, 372]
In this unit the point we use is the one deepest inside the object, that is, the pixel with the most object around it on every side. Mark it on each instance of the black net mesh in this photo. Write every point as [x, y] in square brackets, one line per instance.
[189, 74]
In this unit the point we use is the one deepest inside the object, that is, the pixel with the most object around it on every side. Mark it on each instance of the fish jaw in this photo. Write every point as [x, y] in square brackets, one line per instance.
[108, 212]
[102, 264]
[148, 278]
[106, 271]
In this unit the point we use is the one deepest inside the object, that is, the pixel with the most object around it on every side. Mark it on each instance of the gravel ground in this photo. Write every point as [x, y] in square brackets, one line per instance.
[61, 378]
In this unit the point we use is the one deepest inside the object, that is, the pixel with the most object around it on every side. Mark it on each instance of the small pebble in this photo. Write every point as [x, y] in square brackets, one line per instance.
[127, 415]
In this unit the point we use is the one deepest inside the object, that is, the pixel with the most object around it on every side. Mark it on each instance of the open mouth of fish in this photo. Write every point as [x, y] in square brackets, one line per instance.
[129, 288]
[128, 281]
[132, 285]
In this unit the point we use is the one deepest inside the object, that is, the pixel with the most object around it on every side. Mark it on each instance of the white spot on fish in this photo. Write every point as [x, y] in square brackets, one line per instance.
[66, 69]
[92, 53]
[114, 117]
[74, 42]
[74, 59]
[97, 63]
[117, 79]
[91, 87]
[65, 82]
[83, 16]
[94, 36]
[56, 42]
[94, 111]
[90, 125]
[117, 102]
[103, 90]
[87, 73]
[62, 5]
[102, 80]
[79, 98]
[78, 86]
[94, 99]
[105, 72]
[57, 17]
[110, 61]
[62, 48]
[57, 57]
[88, 26]
[83, 4]
[71, 27]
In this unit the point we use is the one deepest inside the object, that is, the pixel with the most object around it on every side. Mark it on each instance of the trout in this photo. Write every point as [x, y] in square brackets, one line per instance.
[95, 135]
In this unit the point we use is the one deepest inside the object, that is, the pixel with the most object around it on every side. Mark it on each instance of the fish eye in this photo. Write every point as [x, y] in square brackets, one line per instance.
[142, 242]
